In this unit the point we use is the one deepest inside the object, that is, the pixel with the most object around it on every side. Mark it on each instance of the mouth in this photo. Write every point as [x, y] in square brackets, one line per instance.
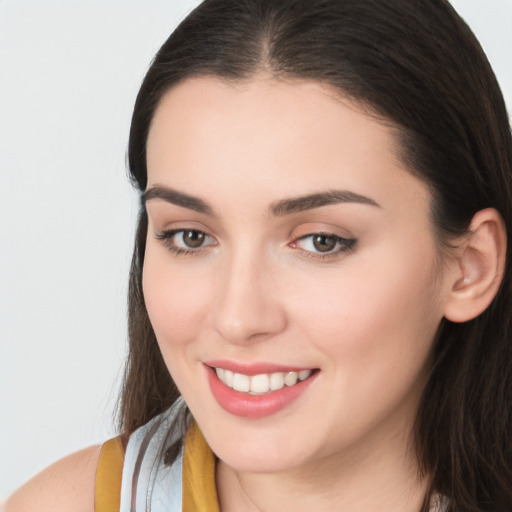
[257, 391]
[263, 383]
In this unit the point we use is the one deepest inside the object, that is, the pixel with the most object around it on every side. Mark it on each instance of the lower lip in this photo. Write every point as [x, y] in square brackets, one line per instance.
[255, 406]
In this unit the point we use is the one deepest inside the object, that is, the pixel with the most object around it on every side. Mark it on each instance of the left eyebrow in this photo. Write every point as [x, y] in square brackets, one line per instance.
[178, 198]
[311, 201]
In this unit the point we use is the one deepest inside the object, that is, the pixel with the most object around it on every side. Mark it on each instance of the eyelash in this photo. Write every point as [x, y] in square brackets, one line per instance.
[166, 237]
[344, 244]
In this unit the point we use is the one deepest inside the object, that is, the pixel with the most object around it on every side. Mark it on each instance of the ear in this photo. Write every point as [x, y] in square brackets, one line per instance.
[480, 267]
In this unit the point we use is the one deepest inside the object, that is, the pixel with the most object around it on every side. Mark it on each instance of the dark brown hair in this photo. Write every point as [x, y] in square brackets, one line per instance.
[416, 64]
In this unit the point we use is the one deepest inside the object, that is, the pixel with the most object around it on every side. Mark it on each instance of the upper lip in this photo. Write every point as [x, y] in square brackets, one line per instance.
[256, 368]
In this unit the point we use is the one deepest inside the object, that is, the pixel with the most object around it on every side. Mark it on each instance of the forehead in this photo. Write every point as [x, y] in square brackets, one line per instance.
[286, 137]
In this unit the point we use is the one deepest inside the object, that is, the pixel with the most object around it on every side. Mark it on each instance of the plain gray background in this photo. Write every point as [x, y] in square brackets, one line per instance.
[69, 73]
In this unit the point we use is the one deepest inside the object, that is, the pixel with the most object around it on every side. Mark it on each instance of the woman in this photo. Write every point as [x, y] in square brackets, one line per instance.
[320, 271]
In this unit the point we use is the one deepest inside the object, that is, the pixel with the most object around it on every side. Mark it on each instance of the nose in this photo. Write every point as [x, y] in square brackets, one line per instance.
[248, 305]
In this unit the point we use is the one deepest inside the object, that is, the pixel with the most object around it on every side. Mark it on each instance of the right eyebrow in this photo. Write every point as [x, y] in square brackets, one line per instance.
[178, 198]
[317, 200]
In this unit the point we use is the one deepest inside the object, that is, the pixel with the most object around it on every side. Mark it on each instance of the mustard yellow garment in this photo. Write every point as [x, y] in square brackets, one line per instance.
[199, 492]
[108, 477]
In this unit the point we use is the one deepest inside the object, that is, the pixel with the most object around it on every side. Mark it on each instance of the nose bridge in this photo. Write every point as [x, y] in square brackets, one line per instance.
[247, 306]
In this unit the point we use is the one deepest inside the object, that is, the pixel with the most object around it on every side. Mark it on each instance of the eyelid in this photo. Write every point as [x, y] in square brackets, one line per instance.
[320, 228]
[166, 237]
[342, 245]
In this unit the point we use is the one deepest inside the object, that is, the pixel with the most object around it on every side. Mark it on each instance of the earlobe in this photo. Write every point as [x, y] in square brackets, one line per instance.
[480, 267]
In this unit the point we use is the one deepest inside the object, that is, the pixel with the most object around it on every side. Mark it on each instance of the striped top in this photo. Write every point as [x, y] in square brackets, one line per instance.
[137, 479]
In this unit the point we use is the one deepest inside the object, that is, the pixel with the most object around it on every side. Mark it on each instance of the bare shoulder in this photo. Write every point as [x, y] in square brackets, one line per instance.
[66, 485]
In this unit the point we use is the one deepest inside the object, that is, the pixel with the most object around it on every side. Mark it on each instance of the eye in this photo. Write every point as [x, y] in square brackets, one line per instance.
[191, 238]
[324, 244]
[185, 241]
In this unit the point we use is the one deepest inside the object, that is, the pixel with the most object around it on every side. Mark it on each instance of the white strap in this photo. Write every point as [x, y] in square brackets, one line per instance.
[148, 484]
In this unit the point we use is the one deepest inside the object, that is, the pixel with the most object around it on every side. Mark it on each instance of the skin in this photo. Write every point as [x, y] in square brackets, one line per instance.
[258, 291]
[66, 485]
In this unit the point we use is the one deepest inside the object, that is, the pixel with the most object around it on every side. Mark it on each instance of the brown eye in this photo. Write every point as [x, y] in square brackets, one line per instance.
[324, 243]
[186, 241]
[193, 239]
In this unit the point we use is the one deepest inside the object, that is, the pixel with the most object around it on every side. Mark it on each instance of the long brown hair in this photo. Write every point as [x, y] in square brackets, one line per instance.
[418, 65]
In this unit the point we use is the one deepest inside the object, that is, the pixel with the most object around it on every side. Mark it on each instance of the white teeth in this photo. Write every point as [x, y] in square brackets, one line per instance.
[276, 381]
[304, 374]
[262, 383]
[241, 382]
[228, 378]
[291, 378]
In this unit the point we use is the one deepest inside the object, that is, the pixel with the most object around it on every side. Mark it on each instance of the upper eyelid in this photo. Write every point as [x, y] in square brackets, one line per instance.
[347, 241]
[166, 236]
[168, 233]
[324, 233]
[172, 231]
[339, 238]
[321, 226]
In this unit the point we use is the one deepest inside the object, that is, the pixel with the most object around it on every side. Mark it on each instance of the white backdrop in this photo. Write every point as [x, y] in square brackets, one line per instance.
[69, 73]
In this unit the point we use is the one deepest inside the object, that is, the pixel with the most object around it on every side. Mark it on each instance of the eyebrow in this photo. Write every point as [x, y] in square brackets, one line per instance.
[311, 201]
[178, 198]
[278, 209]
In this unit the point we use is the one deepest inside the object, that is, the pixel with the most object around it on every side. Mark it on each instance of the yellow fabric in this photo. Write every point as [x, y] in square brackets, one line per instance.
[199, 491]
[108, 476]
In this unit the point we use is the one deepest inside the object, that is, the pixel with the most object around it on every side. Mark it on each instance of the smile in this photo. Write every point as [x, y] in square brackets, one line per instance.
[258, 390]
[263, 383]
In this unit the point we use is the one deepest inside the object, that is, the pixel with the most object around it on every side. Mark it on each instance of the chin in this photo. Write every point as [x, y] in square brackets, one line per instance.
[261, 463]
[260, 452]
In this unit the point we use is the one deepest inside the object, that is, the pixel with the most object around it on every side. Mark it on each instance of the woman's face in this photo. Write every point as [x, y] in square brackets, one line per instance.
[286, 242]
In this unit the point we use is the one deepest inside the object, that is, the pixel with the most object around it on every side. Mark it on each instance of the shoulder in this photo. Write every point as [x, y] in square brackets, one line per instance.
[68, 484]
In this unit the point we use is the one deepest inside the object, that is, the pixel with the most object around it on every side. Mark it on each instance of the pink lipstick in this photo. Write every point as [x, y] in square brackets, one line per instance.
[257, 390]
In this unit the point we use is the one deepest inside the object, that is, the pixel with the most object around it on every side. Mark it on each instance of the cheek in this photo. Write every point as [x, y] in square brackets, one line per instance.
[174, 300]
[375, 334]
[395, 291]
[376, 323]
